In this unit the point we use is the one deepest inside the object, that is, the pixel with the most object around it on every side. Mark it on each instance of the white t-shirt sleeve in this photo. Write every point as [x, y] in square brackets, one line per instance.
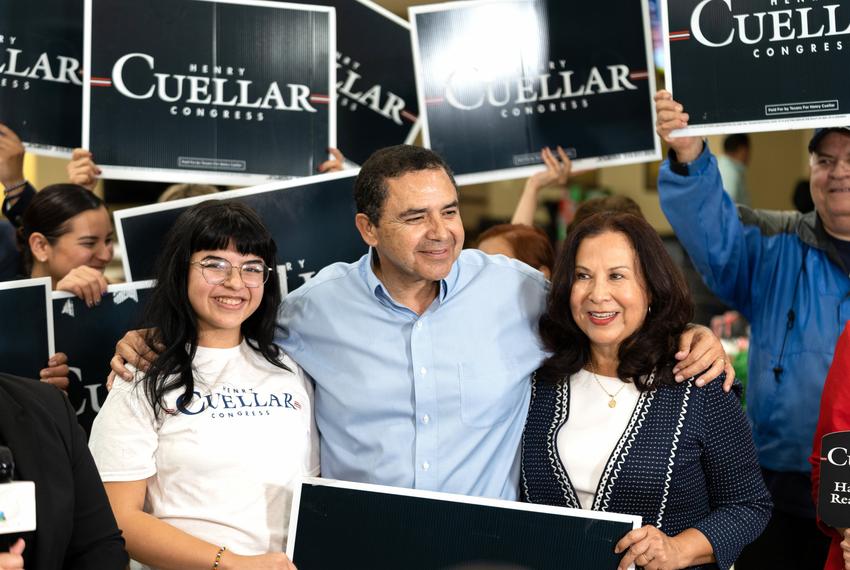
[124, 435]
[311, 461]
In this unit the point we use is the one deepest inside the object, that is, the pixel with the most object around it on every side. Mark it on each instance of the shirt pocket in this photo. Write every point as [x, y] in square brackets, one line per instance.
[490, 392]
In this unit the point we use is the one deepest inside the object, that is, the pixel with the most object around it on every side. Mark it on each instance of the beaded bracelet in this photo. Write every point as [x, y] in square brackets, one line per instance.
[218, 557]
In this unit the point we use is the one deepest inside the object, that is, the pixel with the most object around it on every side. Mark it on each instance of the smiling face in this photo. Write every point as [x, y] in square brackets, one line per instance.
[221, 309]
[88, 241]
[420, 234]
[830, 183]
[608, 299]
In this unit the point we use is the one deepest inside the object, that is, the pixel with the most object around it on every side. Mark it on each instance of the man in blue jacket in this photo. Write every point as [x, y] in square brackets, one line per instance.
[787, 273]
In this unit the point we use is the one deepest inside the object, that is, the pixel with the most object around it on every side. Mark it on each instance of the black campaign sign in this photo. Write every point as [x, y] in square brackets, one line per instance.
[376, 86]
[41, 47]
[834, 493]
[26, 338]
[499, 80]
[312, 222]
[754, 65]
[88, 337]
[397, 530]
[216, 91]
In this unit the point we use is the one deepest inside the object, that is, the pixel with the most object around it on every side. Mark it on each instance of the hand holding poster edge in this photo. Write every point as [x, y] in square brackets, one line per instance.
[580, 164]
[175, 175]
[111, 289]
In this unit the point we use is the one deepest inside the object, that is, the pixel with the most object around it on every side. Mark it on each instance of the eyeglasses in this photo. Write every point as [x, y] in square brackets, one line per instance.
[217, 271]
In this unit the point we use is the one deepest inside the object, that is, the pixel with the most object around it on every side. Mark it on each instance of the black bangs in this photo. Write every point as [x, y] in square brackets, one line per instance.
[220, 224]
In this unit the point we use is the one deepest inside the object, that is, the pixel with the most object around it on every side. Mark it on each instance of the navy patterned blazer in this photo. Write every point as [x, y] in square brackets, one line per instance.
[685, 460]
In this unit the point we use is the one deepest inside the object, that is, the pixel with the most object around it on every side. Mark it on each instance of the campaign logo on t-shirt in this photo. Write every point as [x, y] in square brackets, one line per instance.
[229, 401]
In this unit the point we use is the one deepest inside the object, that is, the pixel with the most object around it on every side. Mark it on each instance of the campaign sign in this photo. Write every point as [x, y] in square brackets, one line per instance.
[88, 335]
[214, 91]
[498, 80]
[834, 493]
[390, 527]
[41, 47]
[758, 65]
[26, 326]
[376, 87]
[311, 220]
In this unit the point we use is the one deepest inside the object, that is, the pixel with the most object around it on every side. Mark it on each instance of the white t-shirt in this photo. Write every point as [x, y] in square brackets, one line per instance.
[224, 470]
[588, 437]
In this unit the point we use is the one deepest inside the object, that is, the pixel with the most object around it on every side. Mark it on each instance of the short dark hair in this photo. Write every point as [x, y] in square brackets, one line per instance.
[650, 348]
[209, 225]
[530, 244]
[370, 186]
[50, 212]
[734, 142]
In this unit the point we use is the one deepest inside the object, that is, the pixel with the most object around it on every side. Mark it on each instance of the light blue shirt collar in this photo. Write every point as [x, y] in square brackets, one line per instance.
[377, 288]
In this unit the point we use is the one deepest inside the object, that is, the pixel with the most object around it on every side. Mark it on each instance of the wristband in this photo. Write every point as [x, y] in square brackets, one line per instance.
[16, 187]
[218, 557]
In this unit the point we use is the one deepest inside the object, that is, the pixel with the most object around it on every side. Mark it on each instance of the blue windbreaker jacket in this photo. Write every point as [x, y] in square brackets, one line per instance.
[753, 260]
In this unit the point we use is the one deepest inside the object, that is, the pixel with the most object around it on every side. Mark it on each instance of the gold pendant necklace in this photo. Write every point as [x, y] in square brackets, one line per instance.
[612, 402]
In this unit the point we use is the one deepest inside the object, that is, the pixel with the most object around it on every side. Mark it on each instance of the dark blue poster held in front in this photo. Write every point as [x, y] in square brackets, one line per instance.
[758, 65]
[376, 86]
[216, 91]
[41, 47]
[88, 337]
[26, 326]
[498, 80]
[392, 527]
[311, 221]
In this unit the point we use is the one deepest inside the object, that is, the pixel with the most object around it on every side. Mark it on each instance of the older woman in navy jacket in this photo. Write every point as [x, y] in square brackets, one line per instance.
[609, 429]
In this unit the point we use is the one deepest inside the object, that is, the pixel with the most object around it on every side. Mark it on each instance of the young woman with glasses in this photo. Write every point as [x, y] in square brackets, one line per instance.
[199, 458]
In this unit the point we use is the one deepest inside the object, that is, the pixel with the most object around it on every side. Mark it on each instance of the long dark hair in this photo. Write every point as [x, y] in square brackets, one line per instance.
[650, 348]
[209, 225]
[49, 214]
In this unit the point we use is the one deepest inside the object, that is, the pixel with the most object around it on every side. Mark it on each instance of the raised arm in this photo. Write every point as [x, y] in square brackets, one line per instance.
[703, 216]
[18, 192]
[557, 172]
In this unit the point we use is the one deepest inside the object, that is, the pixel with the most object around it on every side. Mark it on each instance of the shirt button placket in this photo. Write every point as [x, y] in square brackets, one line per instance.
[424, 404]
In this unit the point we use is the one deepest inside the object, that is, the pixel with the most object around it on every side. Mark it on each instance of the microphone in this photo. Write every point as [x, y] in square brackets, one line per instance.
[17, 499]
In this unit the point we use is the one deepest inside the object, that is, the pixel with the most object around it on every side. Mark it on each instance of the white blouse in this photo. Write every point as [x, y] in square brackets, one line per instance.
[588, 437]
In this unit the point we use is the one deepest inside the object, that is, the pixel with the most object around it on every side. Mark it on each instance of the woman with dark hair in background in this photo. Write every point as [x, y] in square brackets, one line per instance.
[220, 428]
[625, 437]
[66, 234]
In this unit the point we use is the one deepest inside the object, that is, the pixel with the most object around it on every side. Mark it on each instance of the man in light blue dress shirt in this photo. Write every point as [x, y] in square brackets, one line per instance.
[421, 353]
